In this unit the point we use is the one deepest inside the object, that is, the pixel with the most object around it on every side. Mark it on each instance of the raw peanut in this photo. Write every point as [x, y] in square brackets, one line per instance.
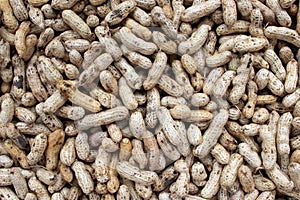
[109, 145]
[222, 84]
[291, 99]
[198, 174]
[138, 29]
[255, 28]
[114, 132]
[79, 45]
[293, 171]
[168, 149]
[244, 7]
[282, 139]
[178, 9]
[156, 71]
[170, 86]
[92, 21]
[123, 193]
[180, 187]
[269, 152]
[194, 43]
[260, 116]
[113, 17]
[281, 15]
[71, 71]
[291, 76]
[142, 17]
[280, 179]
[194, 135]
[283, 33]
[153, 103]
[8, 18]
[138, 154]
[45, 37]
[136, 44]
[286, 54]
[126, 95]
[82, 146]
[249, 44]
[19, 182]
[151, 147]
[188, 63]
[275, 85]
[135, 174]
[160, 17]
[84, 178]
[7, 193]
[38, 188]
[18, 86]
[212, 134]
[7, 36]
[248, 109]
[106, 99]
[220, 154]
[164, 43]
[230, 171]
[38, 148]
[262, 78]
[262, 183]
[240, 26]
[296, 123]
[36, 16]
[202, 9]
[68, 89]
[182, 78]
[91, 54]
[240, 80]
[5, 161]
[20, 38]
[251, 129]
[229, 12]
[136, 59]
[246, 179]
[218, 59]
[210, 44]
[275, 64]
[45, 176]
[137, 125]
[65, 173]
[213, 184]
[55, 48]
[76, 23]
[295, 156]
[211, 79]
[55, 143]
[54, 102]
[68, 153]
[108, 43]
[133, 79]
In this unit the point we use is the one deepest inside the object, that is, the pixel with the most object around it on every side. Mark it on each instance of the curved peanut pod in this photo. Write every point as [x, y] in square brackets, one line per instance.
[200, 10]
[283, 33]
[194, 43]
[134, 43]
[102, 118]
[133, 173]
[230, 171]
[212, 134]
[76, 23]
[120, 12]
[213, 184]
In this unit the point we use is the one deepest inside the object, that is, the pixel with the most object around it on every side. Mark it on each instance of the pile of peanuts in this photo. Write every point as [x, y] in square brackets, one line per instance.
[150, 99]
